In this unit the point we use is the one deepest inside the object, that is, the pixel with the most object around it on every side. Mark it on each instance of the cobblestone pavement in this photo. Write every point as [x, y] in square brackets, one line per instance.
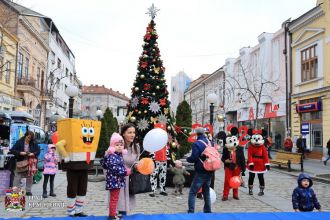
[277, 198]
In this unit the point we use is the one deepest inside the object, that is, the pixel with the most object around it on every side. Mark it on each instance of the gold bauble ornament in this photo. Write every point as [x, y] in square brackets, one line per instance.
[173, 144]
[220, 118]
[136, 89]
[185, 131]
[153, 94]
[132, 119]
[145, 111]
[169, 128]
[142, 76]
[139, 112]
[157, 87]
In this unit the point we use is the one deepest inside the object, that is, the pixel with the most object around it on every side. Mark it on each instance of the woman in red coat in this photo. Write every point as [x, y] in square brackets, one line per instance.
[257, 161]
[288, 144]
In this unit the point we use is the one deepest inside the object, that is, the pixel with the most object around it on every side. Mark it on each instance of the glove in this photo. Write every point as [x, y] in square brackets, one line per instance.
[251, 167]
[268, 167]
[128, 171]
[243, 173]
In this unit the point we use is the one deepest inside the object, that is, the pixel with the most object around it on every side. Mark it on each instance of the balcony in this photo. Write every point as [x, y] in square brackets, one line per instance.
[28, 85]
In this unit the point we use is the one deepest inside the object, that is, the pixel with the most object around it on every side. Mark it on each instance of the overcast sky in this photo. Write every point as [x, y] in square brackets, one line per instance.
[195, 36]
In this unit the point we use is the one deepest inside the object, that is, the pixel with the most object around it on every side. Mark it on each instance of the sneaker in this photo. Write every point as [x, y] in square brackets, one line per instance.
[152, 194]
[52, 194]
[261, 193]
[44, 195]
[163, 193]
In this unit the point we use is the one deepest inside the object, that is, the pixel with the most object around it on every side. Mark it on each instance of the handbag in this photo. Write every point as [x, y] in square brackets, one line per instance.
[139, 183]
[22, 166]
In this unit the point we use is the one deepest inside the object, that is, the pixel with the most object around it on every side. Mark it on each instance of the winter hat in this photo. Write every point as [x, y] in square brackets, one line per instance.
[50, 146]
[115, 138]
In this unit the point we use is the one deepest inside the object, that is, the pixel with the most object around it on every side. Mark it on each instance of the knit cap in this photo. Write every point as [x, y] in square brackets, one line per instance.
[115, 138]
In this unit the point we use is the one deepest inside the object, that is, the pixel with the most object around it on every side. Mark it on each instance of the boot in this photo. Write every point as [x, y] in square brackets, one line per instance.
[44, 194]
[261, 193]
[250, 190]
[79, 206]
[51, 193]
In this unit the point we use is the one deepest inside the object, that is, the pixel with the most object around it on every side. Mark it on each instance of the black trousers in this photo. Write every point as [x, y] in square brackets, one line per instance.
[51, 178]
[260, 177]
[77, 183]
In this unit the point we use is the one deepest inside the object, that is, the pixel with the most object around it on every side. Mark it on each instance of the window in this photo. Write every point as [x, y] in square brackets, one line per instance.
[20, 66]
[308, 64]
[8, 65]
[65, 105]
[70, 77]
[26, 68]
[66, 72]
[58, 63]
[38, 77]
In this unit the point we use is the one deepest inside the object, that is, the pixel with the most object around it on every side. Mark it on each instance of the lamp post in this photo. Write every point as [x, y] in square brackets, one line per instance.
[71, 91]
[211, 99]
[99, 114]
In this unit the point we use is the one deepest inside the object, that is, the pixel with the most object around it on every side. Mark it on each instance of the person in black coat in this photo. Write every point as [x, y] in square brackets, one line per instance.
[234, 164]
[24, 148]
[326, 160]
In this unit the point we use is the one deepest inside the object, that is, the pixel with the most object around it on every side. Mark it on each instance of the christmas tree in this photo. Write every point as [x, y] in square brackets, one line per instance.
[149, 102]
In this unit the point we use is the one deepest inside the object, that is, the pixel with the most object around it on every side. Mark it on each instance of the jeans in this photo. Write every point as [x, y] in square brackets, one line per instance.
[200, 180]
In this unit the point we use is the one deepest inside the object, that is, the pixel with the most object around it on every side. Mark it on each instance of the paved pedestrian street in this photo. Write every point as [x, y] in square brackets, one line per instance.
[277, 198]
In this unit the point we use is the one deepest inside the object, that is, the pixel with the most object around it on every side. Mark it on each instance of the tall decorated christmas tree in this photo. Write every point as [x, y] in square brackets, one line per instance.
[149, 102]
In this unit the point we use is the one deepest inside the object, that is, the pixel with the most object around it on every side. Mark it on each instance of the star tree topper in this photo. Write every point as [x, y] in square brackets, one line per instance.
[152, 11]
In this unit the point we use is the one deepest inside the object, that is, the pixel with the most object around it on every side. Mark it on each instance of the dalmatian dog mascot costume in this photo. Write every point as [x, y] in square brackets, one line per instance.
[234, 162]
[257, 159]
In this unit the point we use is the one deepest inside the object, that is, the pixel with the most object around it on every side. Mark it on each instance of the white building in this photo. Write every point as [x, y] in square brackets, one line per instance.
[179, 83]
[196, 96]
[259, 72]
[61, 73]
[95, 97]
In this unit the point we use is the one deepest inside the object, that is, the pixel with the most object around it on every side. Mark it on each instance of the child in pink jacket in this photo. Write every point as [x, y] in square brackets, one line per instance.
[50, 169]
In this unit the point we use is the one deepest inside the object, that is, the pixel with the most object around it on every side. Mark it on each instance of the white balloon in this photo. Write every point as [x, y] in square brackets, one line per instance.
[213, 196]
[155, 140]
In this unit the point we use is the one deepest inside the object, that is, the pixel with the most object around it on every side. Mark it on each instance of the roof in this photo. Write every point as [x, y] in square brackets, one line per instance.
[197, 81]
[23, 10]
[96, 89]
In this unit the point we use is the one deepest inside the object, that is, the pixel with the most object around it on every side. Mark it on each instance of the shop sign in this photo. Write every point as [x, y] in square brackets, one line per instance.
[304, 128]
[309, 107]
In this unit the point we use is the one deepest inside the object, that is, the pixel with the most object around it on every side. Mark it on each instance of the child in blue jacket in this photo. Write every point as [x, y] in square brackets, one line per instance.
[303, 196]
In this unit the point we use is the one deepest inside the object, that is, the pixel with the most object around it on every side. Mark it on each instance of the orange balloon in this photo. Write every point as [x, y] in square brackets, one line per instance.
[146, 166]
[235, 182]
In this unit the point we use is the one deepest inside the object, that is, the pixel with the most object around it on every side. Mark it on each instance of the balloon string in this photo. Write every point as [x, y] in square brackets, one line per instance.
[137, 159]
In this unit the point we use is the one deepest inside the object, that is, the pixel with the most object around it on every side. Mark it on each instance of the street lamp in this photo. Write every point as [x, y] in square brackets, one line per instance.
[99, 114]
[211, 99]
[71, 91]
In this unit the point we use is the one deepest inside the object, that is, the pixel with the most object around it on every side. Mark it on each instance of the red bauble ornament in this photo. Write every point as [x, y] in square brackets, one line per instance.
[147, 36]
[235, 182]
[136, 110]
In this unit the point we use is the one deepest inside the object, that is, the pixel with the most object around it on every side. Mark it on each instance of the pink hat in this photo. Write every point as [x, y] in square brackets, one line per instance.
[115, 138]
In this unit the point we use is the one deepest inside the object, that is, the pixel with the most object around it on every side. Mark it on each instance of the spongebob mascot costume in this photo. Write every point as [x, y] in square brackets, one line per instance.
[77, 145]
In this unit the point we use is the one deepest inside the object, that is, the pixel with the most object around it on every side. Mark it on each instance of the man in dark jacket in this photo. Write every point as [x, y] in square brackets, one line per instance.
[202, 178]
[23, 149]
[303, 196]
[301, 145]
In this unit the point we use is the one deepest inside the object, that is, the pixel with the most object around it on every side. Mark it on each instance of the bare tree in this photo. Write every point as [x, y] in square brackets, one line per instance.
[249, 84]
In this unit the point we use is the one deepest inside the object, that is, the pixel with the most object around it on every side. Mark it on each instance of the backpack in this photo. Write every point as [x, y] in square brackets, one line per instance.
[212, 161]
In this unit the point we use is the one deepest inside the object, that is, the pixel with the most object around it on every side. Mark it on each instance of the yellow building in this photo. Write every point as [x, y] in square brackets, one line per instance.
[8, 49]
[310, 81]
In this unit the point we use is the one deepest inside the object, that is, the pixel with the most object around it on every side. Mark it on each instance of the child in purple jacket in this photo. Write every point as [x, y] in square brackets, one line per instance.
[50, 169]
[113, 163]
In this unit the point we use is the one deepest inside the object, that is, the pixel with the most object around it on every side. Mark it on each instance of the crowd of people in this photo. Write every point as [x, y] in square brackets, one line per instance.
[121, 159]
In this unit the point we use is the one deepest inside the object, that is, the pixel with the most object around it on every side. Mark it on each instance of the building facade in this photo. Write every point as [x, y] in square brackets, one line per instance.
[32, 55]
[95, 97]
[255, 94]
[310, 99]
[196, 96]
[179, 83]
[8, 48]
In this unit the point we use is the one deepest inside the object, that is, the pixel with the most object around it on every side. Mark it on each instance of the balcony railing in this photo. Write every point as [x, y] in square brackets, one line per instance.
[27, 81]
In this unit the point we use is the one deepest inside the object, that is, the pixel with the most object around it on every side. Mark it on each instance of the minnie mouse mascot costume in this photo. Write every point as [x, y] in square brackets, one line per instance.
[257, 159]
